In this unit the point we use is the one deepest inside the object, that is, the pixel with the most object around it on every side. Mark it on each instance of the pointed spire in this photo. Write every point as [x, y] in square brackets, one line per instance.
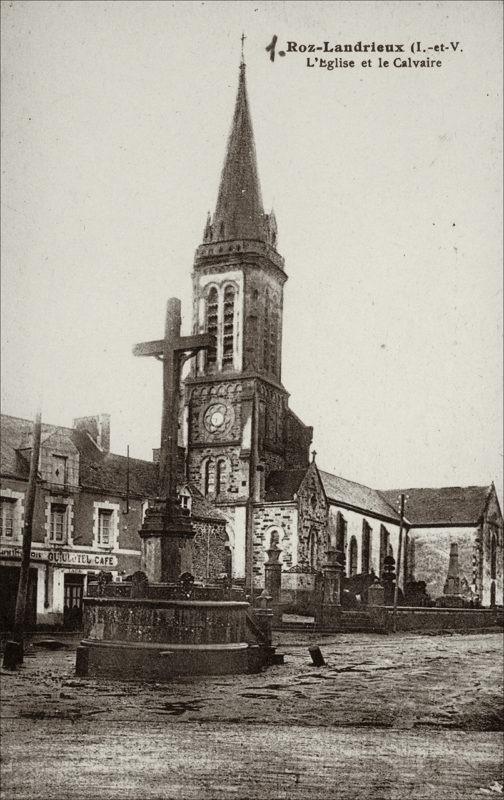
[239, 212]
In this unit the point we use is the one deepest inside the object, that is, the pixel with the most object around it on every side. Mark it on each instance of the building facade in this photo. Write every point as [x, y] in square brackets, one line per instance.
[89, 507]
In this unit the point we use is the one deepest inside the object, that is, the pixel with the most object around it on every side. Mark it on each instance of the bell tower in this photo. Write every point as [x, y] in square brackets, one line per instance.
[238, 423]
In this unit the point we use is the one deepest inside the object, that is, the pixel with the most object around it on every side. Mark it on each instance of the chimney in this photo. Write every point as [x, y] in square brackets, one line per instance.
[98, 427]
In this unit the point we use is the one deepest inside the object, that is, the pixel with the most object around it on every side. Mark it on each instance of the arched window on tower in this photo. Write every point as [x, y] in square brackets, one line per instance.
[266, 334]
[211, 324]
[229, 327]
[273, 334]
[207, 477]
[493, 556]
[220, 476]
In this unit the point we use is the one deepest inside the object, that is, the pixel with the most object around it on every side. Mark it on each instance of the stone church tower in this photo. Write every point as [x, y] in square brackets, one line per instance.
[239, 425]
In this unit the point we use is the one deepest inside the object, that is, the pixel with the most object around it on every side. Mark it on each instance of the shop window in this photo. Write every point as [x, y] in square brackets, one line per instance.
[58, 532]
[7, 519]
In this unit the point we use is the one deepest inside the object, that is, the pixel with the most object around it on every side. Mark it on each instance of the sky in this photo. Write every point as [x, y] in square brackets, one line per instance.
[386, 185]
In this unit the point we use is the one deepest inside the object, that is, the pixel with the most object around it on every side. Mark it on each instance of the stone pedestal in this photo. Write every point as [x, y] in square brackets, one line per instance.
[376, 594]
[166, 536]
[273, 580]
[330, 610]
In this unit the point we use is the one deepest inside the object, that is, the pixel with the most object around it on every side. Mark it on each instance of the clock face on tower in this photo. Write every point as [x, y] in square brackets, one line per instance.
[218, 417]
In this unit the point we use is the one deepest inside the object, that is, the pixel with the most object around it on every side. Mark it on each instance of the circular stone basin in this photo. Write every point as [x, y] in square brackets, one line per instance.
[145, 638]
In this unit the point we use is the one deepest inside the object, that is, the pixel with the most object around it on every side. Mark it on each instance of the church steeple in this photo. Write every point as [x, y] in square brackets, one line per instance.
[239, 213]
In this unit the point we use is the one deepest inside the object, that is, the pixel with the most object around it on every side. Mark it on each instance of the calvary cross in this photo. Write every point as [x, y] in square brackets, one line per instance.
[173, 351]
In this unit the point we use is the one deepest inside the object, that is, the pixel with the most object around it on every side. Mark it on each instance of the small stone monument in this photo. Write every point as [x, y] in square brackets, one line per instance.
[330, 611]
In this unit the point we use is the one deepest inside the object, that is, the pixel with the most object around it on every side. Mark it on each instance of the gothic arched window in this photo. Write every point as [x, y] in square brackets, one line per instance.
[366, 547]
[211, 323]
[207, 476]
[352, 557]
[493, 556]
[229, 326]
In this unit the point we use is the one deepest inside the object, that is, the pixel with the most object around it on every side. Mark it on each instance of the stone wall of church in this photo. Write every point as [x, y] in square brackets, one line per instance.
[279, 520]
[263, 310]
[491, 567]
[354, 529]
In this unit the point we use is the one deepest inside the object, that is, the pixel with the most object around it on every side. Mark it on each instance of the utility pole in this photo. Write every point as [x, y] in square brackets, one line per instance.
[14, 649]
[399, 555]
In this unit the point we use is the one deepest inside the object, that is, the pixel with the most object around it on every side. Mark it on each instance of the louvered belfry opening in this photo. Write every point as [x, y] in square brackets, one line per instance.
[228, 331]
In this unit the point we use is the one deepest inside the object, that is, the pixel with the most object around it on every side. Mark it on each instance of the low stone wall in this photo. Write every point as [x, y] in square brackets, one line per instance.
[169, 621]
[420, 619]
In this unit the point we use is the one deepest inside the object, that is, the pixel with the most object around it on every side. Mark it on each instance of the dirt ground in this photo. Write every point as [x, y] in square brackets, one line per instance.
[388, 717]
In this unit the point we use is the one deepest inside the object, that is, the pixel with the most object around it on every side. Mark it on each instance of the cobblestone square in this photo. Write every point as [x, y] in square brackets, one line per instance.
[388, 717]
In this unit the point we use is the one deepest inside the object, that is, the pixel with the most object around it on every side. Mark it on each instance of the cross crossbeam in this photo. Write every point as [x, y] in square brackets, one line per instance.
[194, 344]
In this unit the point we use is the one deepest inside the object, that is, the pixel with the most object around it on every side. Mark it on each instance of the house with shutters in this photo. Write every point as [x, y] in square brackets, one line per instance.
[89, 507]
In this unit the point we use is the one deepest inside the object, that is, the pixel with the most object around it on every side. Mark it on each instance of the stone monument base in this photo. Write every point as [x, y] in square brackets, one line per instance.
[163, 634]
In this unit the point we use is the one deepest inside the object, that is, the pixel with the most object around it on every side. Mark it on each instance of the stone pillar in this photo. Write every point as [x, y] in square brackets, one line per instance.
[452, 584]
[389, 579]
[273, 573]
[332, 571]
[167, 536]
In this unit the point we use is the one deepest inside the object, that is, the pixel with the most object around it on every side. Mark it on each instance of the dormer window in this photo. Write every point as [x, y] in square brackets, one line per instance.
[59, 470]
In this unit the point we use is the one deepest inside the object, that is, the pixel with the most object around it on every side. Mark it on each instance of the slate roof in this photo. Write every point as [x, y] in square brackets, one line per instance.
[283, 484]
[100, 472]
[202, 508]
[239, 206]
[449, 504]
[105, 472]
[341, 490]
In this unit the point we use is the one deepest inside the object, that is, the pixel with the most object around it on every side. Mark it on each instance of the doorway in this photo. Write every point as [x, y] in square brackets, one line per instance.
[74, 592]
[9, 579]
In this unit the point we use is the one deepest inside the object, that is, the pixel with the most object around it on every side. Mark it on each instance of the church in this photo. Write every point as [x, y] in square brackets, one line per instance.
[245, 467]
[247, 452]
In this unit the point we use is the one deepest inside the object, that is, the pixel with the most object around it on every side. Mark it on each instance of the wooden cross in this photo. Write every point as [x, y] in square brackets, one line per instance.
[173, 351]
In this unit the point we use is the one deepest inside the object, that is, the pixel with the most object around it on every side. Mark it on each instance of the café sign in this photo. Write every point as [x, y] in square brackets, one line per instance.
[63, 558]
